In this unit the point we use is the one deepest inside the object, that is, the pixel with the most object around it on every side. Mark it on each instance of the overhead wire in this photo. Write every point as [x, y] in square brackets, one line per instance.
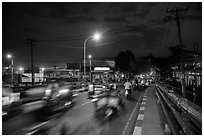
[182, 23]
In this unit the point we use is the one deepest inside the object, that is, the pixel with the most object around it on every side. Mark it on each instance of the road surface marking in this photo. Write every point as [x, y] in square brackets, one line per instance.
[127, 124]
[82, 105]
[137, 131]
[143, 103]
[140, 117]
[142, 108]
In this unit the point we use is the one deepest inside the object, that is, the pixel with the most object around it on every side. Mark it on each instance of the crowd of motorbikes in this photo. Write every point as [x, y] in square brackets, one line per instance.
[107, 100]
[39, 104]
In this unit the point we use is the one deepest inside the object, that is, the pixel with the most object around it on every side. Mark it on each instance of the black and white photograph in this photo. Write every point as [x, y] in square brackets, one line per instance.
[101, 67]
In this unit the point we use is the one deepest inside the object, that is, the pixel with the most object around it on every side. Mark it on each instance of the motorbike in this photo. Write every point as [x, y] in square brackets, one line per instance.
[128, 93]
[108, 105]
[59, 98]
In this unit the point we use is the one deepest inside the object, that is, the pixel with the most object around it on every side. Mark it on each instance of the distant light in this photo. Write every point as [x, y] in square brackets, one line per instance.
[21, 69]
[9, 56]
[89, 56]
[43, 69]
[101, 68]
[96, 36]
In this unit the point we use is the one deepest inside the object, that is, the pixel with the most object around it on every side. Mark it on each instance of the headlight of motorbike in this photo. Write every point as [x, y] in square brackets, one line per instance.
[63, 91]
[75, 95]
[47, 91]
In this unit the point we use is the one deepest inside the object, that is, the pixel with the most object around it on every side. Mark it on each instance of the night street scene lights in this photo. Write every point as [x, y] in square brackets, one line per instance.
[89, 57]
[96, 37]
[9, 56]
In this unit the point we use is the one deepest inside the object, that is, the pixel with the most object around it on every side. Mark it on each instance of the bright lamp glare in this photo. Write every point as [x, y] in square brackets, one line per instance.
[21, 69]
[89, 56]
[96, 36]
[9, 56]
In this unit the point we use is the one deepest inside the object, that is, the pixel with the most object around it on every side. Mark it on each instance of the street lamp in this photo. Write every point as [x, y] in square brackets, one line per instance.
[9, 56]
[90, 66]
[96, 37]
[21, 69]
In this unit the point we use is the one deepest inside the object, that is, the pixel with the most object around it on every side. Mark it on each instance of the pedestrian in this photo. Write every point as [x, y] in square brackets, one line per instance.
[127, 88]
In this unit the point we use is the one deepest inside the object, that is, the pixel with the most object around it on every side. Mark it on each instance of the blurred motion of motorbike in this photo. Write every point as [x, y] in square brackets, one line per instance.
[38, 107]
[108, 104]
[59, 96]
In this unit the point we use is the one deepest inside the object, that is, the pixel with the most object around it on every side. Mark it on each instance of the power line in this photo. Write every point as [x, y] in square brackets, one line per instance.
[126, 28]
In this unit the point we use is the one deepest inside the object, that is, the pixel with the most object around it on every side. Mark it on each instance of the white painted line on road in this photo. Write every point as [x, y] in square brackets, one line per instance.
[140, 117]
[144, 99]
[143, 103]
[137, 131]
[82, 105]
[142, 108]
[127, 124]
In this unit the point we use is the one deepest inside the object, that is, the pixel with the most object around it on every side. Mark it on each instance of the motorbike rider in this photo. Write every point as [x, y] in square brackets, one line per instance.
[127, 88]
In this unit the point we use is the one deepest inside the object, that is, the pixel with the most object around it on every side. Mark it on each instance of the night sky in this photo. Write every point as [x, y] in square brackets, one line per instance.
[59, 30]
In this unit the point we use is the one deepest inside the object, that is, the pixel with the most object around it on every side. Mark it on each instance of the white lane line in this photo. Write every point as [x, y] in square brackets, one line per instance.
[143, 103]
[137, 131]
[140, 117]
[142, 108]
[82, 105]
[127, 124]
[144, 99]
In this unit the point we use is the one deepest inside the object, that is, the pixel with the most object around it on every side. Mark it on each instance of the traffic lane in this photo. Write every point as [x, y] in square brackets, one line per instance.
[82, 98]
[22, 120]
[81, 120]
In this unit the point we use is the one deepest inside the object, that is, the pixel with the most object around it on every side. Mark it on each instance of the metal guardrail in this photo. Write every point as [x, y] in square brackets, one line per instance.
[176, 107]
[179, 91]
[168, 117]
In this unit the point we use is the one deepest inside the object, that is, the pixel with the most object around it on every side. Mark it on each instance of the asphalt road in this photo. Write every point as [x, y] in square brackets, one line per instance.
[81, 118]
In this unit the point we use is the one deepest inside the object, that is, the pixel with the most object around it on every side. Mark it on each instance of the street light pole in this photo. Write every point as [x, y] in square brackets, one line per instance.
[96, 36]
[90, 66]
[85, 58]
[12, 70]
[12, 67]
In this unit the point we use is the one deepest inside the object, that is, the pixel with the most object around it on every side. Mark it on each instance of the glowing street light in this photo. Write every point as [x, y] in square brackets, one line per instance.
[9, 56]
[21, 69]
[89, 56]
[96, 37]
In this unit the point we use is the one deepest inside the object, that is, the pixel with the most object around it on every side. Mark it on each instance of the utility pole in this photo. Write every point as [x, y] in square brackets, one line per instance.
[195, 57]
[31, 57]
[176, 12]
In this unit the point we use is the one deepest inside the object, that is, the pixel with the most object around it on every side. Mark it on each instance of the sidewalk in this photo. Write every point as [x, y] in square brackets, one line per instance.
[148, 120]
